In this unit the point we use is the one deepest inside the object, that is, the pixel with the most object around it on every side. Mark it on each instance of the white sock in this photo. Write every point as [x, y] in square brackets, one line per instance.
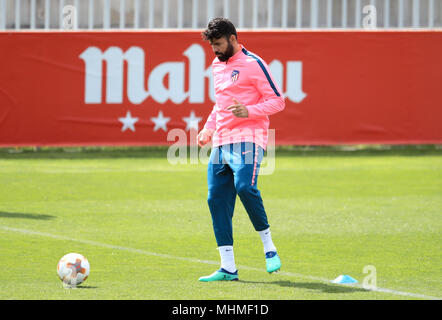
[227, 258]
[267, 242]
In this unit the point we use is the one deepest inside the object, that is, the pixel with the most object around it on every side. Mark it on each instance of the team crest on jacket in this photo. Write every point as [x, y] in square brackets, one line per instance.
[235, 75]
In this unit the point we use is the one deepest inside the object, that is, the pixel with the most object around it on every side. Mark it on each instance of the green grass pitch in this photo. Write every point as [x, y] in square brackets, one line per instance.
[145, 227]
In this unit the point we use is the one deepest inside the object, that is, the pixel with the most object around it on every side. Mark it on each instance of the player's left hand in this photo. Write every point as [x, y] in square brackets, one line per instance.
[238, 109]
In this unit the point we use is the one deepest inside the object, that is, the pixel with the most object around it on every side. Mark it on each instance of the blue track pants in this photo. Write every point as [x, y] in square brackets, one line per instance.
[233, 170]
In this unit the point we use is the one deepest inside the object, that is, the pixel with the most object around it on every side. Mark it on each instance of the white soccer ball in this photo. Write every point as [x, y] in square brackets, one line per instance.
[73, 269]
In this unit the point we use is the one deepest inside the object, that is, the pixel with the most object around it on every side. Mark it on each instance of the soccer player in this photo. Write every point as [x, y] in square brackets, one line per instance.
[246, 94]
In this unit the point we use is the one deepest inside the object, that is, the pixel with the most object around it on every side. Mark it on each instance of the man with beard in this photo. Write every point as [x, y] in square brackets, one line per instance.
[246, 94]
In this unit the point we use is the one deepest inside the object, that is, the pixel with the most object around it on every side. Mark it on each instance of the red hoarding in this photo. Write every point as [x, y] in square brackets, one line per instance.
[132, 88]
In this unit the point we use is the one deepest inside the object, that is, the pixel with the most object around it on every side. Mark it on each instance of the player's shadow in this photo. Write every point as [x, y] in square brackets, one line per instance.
[20, 215]
[324, 287]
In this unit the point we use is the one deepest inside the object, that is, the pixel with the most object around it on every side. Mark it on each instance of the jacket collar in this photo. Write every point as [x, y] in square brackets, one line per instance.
[237, 55]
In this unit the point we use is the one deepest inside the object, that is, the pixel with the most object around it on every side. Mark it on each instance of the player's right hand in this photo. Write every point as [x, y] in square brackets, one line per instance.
[204, 137]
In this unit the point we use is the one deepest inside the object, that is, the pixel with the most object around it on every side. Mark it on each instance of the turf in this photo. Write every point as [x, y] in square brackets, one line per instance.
[145, 227]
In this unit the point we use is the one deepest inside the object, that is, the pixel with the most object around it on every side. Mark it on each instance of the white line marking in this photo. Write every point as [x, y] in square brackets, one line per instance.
[193, 260]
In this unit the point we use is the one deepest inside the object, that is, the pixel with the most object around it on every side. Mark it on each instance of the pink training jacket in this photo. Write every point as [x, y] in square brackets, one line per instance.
[245, 77]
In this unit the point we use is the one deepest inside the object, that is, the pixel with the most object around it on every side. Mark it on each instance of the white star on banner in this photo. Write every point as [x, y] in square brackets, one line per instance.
[192, 121]
[160, 121]
[128, 122]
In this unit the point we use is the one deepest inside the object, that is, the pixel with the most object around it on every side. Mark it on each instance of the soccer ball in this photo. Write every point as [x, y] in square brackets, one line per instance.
[73, 269]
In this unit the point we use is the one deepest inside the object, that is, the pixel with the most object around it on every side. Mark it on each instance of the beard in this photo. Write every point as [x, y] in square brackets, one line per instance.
[226, 55]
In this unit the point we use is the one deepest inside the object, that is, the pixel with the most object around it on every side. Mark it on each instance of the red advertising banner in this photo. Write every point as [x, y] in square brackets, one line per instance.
[132, 88]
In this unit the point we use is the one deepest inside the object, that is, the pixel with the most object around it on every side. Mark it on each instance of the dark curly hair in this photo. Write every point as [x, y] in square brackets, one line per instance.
[219, 27]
